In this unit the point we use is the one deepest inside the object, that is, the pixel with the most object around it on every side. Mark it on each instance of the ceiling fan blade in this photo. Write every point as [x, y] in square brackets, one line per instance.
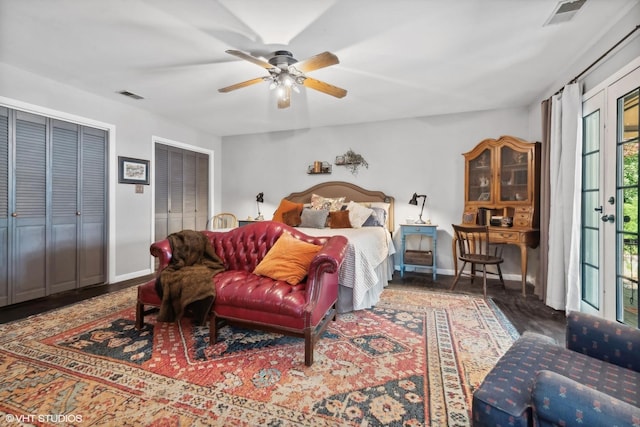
[243, 84]
[284, 101]
[318, 61]
[324, 87]
[260, 62]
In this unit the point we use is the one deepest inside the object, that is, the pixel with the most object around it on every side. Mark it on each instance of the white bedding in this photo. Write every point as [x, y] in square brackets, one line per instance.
[363, 273]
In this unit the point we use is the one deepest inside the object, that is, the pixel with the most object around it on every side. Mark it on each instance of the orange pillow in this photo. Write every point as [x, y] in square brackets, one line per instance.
[286, 206]
[292, 218]
[339, 219]
[288, 259]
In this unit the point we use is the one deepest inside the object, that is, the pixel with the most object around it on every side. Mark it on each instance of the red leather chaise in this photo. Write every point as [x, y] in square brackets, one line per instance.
[259, 302]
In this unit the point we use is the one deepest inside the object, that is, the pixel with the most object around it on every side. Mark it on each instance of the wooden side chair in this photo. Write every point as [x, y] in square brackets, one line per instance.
[222, 220]
[475, 248]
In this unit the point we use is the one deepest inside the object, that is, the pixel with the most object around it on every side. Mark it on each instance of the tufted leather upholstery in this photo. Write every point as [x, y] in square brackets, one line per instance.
[257, 301]
[537, 382]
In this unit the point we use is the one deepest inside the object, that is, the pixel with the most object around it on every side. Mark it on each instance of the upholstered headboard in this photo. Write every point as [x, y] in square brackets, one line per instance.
[349, 191]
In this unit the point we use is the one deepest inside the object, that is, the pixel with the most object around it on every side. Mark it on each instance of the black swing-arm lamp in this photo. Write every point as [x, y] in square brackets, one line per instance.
[414, 201]
[259, 199]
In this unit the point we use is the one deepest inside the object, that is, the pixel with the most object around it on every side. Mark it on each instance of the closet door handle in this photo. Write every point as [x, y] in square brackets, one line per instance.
[15, 215]
[78, 213]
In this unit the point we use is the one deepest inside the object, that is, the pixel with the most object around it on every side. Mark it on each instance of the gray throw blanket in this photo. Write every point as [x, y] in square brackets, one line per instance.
[187, 278]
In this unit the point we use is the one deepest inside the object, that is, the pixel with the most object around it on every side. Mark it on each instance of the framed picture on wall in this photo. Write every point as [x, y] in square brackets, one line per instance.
[133, 171]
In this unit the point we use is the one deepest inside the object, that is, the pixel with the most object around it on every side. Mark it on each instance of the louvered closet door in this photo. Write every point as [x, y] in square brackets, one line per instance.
[4, 206]
[28, 212]
[176, 190]
[161, 187]
[181, 188]
[189, 190]
[202, 191]
[63, 261]
[93, 212]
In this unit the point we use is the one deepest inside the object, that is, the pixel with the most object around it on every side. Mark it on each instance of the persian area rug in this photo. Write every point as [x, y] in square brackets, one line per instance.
[413, 360]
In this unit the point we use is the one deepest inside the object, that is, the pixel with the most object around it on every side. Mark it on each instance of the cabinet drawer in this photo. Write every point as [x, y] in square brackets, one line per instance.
[522, 219]
[504, 236]
[429, 231]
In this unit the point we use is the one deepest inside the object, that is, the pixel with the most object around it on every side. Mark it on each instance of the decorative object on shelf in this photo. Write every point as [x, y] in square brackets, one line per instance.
[133, 171]
[414, 201]
[352, 161]
[319, 167]
[259, 199]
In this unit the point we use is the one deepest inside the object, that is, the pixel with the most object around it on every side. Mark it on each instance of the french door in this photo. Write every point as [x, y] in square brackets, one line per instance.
[609, 261]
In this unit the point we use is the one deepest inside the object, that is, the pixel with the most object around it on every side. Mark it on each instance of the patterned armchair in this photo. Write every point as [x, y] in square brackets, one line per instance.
[594, 381]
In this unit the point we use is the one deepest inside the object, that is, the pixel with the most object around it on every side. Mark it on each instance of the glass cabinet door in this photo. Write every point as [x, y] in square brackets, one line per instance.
[514, 175]
[480, 178]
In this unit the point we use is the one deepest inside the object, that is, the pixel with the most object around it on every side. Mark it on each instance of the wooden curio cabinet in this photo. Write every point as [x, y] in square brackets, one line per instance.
[502, 178]
[502, 182]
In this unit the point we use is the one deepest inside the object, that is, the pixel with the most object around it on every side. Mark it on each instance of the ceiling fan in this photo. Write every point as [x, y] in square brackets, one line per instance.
[286, 73]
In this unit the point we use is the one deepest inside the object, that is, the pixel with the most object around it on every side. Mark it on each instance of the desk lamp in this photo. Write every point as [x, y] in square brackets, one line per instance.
[414, 201]
[259, 199]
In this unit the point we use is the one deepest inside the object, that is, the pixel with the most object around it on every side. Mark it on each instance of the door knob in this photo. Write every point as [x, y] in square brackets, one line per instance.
[609, 218]
[14, 215]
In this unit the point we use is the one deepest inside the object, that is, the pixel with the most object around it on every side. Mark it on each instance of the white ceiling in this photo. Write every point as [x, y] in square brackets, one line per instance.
[398, 58]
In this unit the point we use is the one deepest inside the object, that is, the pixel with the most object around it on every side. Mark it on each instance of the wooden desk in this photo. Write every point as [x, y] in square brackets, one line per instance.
[524, 238]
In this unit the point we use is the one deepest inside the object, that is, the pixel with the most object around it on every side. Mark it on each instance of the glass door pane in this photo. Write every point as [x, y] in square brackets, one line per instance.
[514, 175]
[591, 210]
[628, 118]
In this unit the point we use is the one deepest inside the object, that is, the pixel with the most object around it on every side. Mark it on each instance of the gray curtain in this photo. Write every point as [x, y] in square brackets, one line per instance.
[541, 278]
[563, 278]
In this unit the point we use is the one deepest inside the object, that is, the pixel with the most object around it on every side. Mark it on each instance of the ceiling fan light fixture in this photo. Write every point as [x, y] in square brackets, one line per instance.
[287, 73]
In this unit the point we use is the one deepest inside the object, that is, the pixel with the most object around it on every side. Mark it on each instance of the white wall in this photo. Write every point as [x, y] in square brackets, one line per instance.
[130, 219]
[422, 155]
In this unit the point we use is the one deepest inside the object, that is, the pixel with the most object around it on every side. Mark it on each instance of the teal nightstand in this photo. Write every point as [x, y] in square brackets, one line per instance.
[419, 258]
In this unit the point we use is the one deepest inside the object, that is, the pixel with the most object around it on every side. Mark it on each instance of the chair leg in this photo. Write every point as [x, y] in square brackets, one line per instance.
[308, 347]
[484, 281]
[213, 329]
[500, 274]
[139, 315]
[455, 282]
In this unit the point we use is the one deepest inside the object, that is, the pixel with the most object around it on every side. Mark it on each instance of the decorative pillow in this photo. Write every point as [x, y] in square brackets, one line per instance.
[339, 219]
[358, 214]
[288, 259]
[330, 204]
[292, 217]
[382, 205]
[377, 218]
[312, 218]
[286, 206]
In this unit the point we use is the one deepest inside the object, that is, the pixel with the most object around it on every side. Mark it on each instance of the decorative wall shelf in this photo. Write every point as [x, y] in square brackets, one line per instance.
[352, 161]
[318, 168]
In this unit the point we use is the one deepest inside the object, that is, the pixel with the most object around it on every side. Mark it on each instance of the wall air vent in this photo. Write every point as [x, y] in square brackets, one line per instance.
[130, 94]
[564, 11]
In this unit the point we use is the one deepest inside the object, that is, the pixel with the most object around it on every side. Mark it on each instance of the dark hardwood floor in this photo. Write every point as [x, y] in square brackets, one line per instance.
[525, 313]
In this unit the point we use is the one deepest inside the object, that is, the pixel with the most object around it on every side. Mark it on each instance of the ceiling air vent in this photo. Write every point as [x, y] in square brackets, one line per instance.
[130, 94]
[565, 10]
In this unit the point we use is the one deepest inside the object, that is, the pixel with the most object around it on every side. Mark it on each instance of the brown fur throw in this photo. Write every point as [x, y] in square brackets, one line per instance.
[187, 278]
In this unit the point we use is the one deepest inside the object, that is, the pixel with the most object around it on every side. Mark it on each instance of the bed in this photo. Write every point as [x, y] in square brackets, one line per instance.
[369, 265]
